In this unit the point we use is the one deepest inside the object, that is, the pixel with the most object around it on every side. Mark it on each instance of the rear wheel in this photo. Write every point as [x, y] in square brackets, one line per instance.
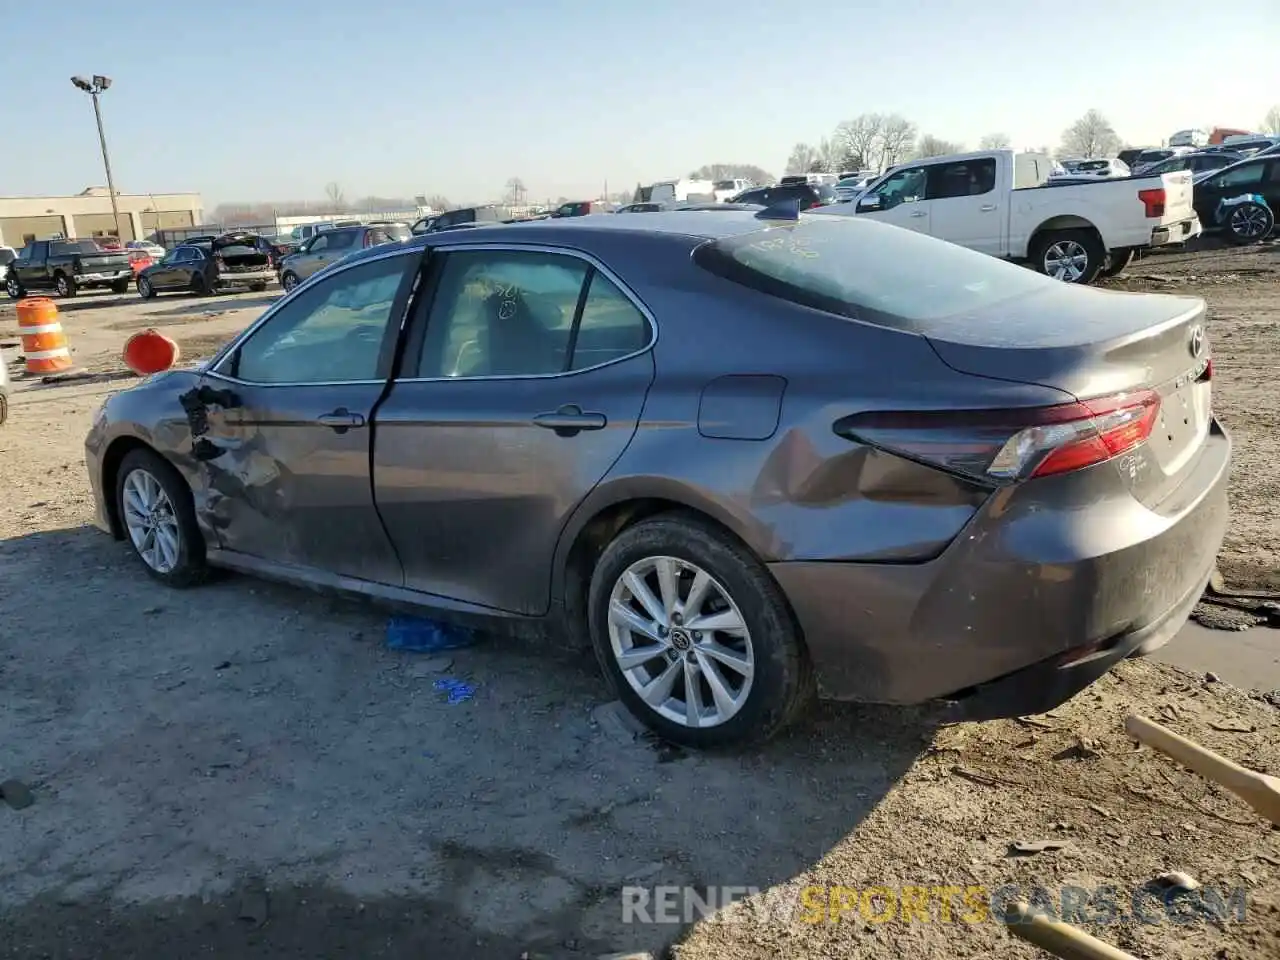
[695, 636]
[145, 290]
[1073, 256]
[257, 287]
[199, 286]
[65, 286]
[159, 521]
[1249, 223]
[120, 286]
[13, 288]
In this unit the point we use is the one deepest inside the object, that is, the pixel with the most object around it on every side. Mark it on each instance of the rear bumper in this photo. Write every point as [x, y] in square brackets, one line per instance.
[1175, 232]
[1037, 578]
[103, 279]
[239, 279]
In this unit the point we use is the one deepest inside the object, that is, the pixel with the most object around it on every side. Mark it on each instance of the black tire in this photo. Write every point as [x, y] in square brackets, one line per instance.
[120, 286]
[13, 288]
[145, 289]
[199, 285]
[257, 287]
[1117, 261]
[191, 567]
[1249, 223]
[289, 280]
[1086, 241]
[782, 684]
[4, 409]
[65, 286]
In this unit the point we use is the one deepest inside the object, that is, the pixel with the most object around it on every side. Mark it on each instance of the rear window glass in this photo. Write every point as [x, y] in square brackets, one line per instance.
[867, 271]
[75, 246]
[724, 184]
[1095, 165]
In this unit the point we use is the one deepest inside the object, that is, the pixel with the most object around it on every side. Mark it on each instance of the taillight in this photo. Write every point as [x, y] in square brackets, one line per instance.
[1153, 200]
[1005, 446]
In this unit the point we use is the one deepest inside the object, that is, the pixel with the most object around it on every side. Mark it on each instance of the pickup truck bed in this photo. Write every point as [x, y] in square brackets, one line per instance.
[998, 203]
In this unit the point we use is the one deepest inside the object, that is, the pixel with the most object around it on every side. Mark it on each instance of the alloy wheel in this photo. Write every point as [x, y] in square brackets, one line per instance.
[151, 521]
[1066, 260]
[62, 286]
[681, 642]
[11, 287]
[1249, 222]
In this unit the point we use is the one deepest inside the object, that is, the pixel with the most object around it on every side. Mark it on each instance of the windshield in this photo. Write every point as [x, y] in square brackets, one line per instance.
[869, 271]
[725, 185]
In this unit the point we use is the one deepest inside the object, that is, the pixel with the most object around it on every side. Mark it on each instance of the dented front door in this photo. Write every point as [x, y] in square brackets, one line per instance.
[282, 425]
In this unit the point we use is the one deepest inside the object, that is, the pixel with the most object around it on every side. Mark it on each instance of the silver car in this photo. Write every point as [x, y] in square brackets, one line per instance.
[332, 245]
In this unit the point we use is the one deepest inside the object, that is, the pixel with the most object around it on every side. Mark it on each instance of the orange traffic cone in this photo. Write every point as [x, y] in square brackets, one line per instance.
[150, 352]
[44, 346]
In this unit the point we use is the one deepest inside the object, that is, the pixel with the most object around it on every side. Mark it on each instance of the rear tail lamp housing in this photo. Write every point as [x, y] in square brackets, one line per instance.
[1153, 200]
[1000, 447]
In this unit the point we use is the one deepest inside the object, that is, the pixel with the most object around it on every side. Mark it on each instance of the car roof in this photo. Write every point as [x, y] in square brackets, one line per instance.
[704, 224]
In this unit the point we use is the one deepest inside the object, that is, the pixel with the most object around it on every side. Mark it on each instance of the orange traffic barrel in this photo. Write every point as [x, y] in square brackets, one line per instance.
[43, 343]
[150, 352]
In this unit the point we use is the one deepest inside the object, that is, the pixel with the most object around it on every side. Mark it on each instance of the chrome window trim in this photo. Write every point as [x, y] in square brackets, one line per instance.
[456, 247]
[212, 369]
[463, 247]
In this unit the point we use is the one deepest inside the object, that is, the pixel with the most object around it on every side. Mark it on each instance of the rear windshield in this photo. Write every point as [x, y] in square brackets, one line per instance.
[725, 184]
[68, 247]
[867, 271]
[1095, 165]
[1150, 155]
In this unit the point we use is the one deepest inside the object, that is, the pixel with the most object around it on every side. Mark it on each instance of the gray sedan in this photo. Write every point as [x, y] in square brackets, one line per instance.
[747, 456]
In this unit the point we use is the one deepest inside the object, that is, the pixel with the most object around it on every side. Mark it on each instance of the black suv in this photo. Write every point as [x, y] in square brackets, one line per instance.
[810, 195]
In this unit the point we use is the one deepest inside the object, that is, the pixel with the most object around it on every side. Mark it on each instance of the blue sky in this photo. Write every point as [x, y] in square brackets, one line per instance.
[272, 100]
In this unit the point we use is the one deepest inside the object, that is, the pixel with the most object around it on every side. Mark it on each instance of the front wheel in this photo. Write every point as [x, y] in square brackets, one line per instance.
[695, 635]
[13, 288]
[1250, 223]
[1072, 256]
[145, 290]
[257, 287]
[199, 285]
[289, 281]
[65, 286]
[155, 509]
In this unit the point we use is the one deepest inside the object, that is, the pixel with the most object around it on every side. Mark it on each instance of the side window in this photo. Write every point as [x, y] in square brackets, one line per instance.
[904, 186]
[320, 244]
[502, 313]
[332, 332]
[611, 326]
[342, 239]
[1247, 176]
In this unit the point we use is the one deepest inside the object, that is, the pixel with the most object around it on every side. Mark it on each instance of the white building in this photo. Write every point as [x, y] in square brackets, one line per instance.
[88, 214]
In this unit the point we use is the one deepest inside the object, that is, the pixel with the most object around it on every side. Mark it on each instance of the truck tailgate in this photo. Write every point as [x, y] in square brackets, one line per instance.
[1177, 197]
[104, 262]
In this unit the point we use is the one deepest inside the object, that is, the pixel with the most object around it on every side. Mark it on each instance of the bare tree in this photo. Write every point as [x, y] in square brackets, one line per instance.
[994, 141]
[931, 146]
[859, 140]
[515, 191]
[897, 138]
[337, 200]
[803, 157]
[1090, 136]
[731, 171]
[1271, 122]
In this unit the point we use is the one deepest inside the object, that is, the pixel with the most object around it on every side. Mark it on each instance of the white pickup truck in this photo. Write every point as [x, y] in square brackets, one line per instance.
[997, 202]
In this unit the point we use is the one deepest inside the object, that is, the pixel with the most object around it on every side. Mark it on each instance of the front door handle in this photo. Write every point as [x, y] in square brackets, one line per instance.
[341, 420]
[570, 419]
[987, 207]
[920, 213]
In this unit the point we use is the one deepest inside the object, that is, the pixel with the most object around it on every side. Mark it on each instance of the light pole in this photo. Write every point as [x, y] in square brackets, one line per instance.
[94, 88]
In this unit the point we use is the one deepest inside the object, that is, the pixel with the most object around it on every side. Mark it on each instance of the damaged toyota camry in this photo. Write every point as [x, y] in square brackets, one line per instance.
[749, 457]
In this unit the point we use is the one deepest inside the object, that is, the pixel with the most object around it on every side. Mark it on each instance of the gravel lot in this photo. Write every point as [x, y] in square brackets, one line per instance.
[244, 770]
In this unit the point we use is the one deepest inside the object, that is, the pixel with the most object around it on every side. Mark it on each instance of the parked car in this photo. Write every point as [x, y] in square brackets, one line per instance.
[1092, 169]
[236, 259]
[999, 203]
[808, 195]
[830, 179]
[574, 208]
[7, 256]
[1197, 162]
[306, 231]
[1129, 155]
[153, 250]
[639, 208]
[423, 225]
[724, 190]
[1256, 175]
[554, 448]
[684, 190]
[1190, 138]
[450, 218]
[1250, 144]
[1149, 158]
[331, 246]
[66, 267]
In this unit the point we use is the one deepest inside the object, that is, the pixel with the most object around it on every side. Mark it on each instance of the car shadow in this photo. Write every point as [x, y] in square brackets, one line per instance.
[249, 729]
[216, 303]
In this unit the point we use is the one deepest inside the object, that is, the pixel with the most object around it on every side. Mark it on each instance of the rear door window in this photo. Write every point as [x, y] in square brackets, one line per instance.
[1246, 175]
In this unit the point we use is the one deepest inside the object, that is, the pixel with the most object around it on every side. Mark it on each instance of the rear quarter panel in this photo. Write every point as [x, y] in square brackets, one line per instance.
[1112, 207]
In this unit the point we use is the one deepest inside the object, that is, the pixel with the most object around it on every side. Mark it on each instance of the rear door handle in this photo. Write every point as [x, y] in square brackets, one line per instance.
[570, 419]
[341, 420]
[987, 207]
[920, 213]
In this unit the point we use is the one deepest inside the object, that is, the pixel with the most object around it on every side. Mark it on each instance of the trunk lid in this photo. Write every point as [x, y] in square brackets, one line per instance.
[1092, 343]
[1178, 197]
[241, 252]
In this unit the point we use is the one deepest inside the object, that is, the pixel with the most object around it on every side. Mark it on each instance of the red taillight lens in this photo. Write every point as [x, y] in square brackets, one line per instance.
[1153, 200]
[1005, 446]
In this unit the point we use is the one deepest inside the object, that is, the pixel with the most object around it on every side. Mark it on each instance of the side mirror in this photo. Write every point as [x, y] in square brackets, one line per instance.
[870, 201]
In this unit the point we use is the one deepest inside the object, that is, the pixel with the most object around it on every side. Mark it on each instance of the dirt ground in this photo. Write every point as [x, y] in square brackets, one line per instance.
[245, 770]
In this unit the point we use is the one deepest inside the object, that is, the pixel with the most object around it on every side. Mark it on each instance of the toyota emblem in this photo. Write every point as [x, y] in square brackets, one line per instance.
[1196, 344]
